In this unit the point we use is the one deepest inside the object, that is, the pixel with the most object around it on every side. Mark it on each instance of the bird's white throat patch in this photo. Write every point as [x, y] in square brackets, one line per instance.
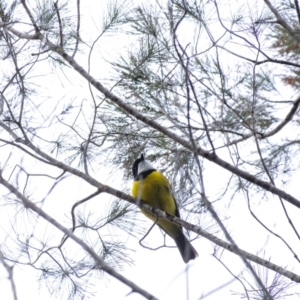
[144, 166]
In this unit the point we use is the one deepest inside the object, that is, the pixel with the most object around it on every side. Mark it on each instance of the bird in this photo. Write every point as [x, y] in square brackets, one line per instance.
[153, 188]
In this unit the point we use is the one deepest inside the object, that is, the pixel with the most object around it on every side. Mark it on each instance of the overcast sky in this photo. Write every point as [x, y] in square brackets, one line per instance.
[161, 272]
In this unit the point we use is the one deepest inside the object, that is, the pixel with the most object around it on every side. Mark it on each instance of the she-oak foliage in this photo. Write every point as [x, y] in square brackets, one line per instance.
[182, 81]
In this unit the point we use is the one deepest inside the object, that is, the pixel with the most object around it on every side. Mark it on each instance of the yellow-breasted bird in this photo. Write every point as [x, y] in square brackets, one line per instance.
[153, 188]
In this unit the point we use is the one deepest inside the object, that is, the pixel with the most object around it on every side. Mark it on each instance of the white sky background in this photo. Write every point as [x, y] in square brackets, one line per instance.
[160, 272]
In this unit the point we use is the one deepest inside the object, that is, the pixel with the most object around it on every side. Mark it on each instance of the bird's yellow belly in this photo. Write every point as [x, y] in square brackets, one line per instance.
[155, 191]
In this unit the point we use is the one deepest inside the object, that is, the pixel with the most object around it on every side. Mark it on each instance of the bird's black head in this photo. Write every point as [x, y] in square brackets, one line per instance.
[136, 165]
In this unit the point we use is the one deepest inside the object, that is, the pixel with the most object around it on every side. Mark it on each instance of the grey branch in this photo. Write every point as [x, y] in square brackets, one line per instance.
[104, 266]
[140, 116]
[9, 270]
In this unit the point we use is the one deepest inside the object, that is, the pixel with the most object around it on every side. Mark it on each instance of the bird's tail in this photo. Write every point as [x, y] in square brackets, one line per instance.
[186, 249]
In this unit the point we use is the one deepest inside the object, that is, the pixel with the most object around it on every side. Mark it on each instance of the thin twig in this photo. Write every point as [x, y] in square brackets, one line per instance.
[103, 265]
[9, 270]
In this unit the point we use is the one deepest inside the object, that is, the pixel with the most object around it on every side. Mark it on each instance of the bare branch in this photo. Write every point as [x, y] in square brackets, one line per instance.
[282, 22]
[9, 270]
[109, 270]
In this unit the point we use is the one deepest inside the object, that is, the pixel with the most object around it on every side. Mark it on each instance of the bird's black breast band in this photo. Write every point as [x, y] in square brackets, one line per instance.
[143, 175]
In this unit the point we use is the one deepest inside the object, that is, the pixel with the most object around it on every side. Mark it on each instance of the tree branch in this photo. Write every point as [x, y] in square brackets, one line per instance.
[163, 215]
[104, 266]
[140, 116]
